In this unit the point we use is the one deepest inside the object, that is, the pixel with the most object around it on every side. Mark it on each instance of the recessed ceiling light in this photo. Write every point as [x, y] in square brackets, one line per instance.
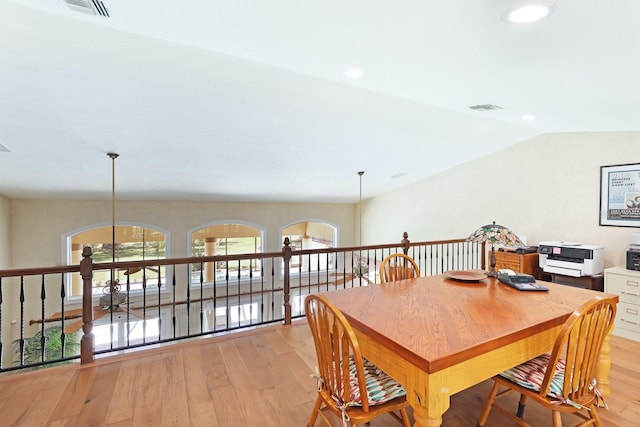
[529, 12]
[398, 175]
[485, 107]
[353, 72]
[528, 117]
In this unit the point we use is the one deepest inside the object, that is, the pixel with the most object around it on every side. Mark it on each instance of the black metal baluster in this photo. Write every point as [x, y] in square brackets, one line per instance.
[262, 307]
[159, 303]
[239, 307]
[43, 296]
[63, 336]
[201, 297]
[173, 299]
[21, 342]
[375, 266]
[226, 298]
[251, 291]
[344, 270]
[318, 273]
[301, 262]
[447, 257]
[189, 306]
[215, 296]
[128, 316]
[327, 262]
[112, 287]
[144, 305]
[273, 289]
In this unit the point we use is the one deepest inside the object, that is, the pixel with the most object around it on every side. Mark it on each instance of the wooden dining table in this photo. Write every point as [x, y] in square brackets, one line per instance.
[436, 335]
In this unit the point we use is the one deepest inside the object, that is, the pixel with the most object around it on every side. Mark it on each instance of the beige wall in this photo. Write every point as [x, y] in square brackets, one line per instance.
[5, 263]
[40, 224]
[546, 188]
[5, 232]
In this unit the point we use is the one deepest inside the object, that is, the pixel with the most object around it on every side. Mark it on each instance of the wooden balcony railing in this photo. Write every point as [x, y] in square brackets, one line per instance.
[174, 301]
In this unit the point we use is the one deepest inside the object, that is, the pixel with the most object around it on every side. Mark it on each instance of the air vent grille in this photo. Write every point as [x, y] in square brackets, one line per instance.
[485, 107]
[91, 7]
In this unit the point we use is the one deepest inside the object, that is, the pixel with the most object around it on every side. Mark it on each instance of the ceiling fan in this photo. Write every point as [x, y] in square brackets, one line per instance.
[111, 301]
[341, 278]
[133, 270]
[360, 271]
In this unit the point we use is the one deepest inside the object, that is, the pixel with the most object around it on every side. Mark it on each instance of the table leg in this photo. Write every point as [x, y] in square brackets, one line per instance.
[429, 400]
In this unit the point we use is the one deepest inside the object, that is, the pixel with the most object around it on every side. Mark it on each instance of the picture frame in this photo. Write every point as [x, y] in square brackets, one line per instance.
[620, 195]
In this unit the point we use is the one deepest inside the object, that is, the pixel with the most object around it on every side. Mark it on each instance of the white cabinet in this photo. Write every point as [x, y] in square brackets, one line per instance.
[626, 284]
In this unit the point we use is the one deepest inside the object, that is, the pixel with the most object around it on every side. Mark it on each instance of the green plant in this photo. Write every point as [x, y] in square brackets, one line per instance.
[32, 351]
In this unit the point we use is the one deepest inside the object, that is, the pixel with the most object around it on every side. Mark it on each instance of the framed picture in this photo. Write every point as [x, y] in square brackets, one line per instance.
[620, 195]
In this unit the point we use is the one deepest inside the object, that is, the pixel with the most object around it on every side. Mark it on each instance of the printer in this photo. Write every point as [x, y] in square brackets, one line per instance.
[571, 259]
[633, 254]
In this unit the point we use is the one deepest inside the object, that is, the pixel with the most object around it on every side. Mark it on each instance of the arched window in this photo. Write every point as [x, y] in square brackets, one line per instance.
[226, 238]
[132, 243]
[311, 234]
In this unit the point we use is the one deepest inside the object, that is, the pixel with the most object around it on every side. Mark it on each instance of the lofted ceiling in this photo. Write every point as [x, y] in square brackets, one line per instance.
[212, 100]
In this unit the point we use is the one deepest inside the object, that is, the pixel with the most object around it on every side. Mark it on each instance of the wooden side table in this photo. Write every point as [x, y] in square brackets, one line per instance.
[520, 263]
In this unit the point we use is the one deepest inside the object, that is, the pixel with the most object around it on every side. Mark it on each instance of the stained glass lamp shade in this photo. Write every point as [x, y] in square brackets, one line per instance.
[495, 234]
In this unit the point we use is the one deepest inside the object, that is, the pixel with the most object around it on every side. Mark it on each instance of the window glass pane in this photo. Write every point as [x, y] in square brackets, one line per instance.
[226, 239]
[311, 235]
[132, 243]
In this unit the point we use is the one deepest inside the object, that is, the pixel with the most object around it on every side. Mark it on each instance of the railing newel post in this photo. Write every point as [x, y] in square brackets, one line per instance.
[286, 256]
[88, 340]
[405, 243]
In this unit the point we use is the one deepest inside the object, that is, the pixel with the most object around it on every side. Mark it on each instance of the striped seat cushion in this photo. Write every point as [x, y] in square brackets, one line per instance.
[531, 373]
[381, 387]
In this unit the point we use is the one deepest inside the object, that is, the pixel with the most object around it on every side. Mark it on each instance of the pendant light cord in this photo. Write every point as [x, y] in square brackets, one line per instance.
[113, 157]
[360, 206]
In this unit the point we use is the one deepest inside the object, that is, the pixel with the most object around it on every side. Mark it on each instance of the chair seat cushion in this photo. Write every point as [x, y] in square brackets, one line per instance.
[530, 375]
[381, 387]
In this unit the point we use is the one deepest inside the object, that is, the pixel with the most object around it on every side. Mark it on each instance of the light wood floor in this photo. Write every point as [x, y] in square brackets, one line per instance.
[254, 378]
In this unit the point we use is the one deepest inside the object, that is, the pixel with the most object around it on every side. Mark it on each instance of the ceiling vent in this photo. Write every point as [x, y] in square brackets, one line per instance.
[91, 7]
[485, 107]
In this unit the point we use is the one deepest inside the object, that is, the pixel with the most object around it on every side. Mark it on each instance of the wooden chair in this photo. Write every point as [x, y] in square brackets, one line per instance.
[569, 386]
[348, 385]
[397, 267]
